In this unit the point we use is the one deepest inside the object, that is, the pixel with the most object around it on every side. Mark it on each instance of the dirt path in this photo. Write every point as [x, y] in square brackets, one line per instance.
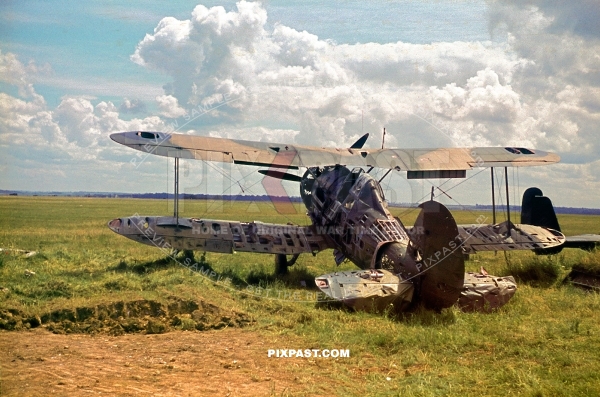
[228, 362]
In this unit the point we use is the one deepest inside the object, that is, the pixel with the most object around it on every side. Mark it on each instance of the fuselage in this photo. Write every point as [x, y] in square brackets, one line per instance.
[348, 208]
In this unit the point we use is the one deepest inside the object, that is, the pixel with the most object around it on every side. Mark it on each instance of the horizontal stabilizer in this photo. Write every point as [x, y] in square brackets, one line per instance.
[501, 237]
[583, 241]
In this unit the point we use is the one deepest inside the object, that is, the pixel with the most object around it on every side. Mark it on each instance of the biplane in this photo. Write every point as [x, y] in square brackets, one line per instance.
[400, 266]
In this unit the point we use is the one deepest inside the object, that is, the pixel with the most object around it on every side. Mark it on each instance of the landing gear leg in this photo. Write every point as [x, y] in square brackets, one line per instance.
[188, 254]
[282, 263]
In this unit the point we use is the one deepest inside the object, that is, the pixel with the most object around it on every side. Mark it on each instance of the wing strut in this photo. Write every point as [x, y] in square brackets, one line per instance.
[507, 199]
[384, 175]
[176, 192]
[493, 198]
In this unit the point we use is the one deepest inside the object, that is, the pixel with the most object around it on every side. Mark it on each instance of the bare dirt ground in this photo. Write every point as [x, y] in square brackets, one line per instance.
[226, 362]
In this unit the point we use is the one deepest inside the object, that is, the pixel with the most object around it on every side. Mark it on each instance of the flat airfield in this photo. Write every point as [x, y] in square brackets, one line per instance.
[86, 312]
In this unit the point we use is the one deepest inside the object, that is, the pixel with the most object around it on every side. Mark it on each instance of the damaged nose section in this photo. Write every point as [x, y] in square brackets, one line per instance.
[373, 290]
[115, 225]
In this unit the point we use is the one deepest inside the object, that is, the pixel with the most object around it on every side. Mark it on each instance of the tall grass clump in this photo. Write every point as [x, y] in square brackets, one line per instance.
[589, 264]
[537, 271]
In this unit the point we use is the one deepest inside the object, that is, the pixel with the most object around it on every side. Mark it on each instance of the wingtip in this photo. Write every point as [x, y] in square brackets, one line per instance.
[549, 157]
[117, 136]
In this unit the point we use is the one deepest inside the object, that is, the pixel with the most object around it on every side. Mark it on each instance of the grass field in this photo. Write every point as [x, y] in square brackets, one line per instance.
[545, 342]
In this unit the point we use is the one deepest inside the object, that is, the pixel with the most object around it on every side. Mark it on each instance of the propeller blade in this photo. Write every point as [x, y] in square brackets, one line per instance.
[360, 143]
[281, 175]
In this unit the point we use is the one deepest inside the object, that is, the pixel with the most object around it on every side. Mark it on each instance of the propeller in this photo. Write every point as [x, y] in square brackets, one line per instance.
[443, 265]
[294, 178]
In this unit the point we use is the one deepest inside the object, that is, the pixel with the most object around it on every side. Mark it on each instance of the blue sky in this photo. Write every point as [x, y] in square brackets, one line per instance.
[88, 45]
[434, 73]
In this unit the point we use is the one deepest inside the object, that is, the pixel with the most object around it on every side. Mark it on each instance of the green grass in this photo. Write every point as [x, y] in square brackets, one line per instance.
[589, 264]
[545, 342]
[538, 271]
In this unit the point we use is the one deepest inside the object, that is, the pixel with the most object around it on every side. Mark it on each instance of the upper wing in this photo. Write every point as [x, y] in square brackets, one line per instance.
[294, 156]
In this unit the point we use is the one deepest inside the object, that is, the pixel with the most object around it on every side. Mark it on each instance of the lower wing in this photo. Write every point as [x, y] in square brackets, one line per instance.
[505, 237]
[218, 235]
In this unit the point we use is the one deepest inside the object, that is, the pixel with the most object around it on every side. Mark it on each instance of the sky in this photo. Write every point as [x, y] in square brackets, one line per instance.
[433, 73]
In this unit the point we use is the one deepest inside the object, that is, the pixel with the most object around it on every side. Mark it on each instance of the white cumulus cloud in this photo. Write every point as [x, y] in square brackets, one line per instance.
[168, 106]
[230, 73]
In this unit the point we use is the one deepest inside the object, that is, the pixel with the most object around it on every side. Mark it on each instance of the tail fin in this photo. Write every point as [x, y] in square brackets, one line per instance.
[537, 210]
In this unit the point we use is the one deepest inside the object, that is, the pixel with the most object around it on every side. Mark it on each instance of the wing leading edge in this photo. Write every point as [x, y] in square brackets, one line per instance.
[294, 156]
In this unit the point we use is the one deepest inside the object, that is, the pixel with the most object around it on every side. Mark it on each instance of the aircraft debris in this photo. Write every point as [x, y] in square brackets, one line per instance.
[26, 253]
[484, 293]
[584, 279]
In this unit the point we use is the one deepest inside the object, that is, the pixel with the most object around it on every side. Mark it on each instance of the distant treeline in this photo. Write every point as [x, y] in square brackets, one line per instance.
[517, 209]
[185, 196]
[247, 197]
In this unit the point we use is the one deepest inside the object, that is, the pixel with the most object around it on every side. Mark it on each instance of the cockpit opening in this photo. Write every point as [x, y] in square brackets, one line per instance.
[350, 180]
[147, 135]
[372, 195]
[518, 150]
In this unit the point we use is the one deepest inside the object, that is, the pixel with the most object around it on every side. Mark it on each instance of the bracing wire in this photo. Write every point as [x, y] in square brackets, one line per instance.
[500, 201]
[236, 182]
[518, 189]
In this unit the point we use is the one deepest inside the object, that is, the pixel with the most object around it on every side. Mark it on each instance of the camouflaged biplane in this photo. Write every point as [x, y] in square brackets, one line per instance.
[400, 266]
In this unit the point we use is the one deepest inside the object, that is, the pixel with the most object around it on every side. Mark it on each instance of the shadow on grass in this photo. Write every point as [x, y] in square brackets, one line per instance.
[418, 316]
[47, 290]
[233, 277]
[294, 278]
[185, 259]
[145, 267]
[169, 261]
[331, 304]
[421, 316]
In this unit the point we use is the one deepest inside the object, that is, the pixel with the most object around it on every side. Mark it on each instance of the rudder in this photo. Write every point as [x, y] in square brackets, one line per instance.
[537, 210]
